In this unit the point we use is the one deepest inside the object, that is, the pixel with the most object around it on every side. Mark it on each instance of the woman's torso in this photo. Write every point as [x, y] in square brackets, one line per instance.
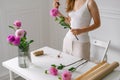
[79, 19]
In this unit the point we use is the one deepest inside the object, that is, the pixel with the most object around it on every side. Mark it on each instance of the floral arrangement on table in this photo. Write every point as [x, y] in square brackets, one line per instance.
[19, 37]
[66, 74]
[60, 19]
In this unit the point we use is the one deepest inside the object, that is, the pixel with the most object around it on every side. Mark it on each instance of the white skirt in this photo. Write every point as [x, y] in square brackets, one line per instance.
[76, 48]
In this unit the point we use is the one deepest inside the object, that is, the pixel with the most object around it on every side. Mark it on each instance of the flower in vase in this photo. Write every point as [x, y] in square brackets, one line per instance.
[16, 42]
[17, 23]
[19, 37]
[10, 38]
[20, 33]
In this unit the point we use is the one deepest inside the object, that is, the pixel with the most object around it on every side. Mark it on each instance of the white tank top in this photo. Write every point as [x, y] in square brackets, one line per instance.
[79, 19]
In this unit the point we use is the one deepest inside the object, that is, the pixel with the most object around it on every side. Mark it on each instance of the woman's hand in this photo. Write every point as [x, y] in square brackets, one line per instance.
[56, 4]
[76, 31]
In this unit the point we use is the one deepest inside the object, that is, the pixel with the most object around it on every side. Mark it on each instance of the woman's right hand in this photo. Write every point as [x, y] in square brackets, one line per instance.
[56, 4]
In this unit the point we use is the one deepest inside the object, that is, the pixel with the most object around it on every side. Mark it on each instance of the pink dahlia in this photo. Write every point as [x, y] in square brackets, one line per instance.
[17, 23]
[16, 42]
[11, 38]
[66, 75]
[20, 33]
[53, 71]
[54, 12]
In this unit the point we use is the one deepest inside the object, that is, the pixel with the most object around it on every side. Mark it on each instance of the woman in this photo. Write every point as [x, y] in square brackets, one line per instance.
[80, 13]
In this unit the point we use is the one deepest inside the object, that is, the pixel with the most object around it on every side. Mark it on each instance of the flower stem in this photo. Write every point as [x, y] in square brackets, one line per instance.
[81, 64]
[61, 66]
[76, 37]
[74, 62]
[25, 61]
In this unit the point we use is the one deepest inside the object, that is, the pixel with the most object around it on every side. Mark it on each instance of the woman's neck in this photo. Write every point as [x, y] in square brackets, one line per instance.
[78, 4]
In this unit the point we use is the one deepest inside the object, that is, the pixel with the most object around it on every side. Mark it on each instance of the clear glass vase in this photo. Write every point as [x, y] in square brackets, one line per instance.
[24, 58]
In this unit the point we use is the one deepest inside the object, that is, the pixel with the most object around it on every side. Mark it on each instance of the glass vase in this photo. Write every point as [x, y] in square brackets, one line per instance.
[24, 58]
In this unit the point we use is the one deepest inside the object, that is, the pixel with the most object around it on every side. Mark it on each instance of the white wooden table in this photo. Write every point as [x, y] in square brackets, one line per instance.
[42, 63]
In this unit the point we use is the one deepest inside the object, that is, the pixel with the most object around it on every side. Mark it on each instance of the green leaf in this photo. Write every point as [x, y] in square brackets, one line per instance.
[65, 25]
[12, 27]
[25, 34]
[46, 71]
[60, 67]
[53, 65]
[61, 18]
[62, 23]
[59, 77]
[30, 42]
[72, 69]
[23, 39]
[56, 19]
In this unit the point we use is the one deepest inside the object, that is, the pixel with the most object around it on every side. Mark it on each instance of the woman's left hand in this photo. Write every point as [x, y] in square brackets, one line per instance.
[76, 31]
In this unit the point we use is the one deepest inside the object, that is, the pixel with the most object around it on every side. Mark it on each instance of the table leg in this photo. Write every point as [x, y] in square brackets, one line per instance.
[11, 75]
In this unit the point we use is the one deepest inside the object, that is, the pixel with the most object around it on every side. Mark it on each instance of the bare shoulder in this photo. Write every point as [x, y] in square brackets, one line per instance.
[92, 4]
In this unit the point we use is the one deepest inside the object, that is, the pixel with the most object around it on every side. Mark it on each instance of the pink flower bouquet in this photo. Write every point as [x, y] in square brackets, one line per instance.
[19, 37]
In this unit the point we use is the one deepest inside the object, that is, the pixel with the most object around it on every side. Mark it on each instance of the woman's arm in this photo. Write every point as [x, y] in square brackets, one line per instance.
[92, 6]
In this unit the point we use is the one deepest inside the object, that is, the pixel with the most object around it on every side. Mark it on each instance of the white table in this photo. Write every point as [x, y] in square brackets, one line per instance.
[42, 63]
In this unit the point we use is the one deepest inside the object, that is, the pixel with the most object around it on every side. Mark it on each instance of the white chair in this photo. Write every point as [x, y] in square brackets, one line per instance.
[99, 55]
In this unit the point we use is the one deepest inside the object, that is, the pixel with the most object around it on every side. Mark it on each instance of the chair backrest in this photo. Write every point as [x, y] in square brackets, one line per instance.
[102, 44]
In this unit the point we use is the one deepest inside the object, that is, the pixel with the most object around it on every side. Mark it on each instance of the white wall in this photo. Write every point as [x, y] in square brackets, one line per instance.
[109, 30]
[33, 14]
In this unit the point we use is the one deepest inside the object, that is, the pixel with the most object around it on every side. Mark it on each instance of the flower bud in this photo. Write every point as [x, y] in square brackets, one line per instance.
[16, 42]
[11, 38]
[54, 12]
[66, 75]
[53, 71]
[20, 33]
[17, 23]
